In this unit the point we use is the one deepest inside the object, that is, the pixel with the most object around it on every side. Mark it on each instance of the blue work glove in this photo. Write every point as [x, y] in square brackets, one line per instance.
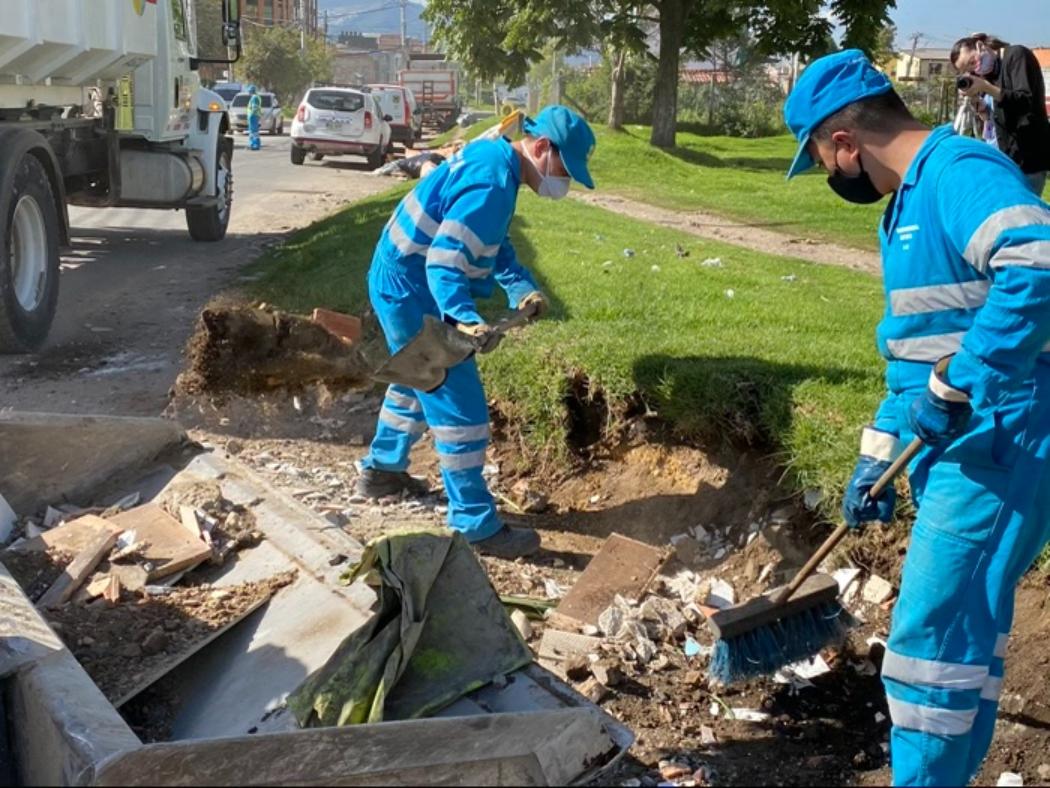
[942, 413]
[878, 450]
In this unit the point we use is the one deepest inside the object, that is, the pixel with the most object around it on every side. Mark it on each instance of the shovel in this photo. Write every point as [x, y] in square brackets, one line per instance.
[424, 362]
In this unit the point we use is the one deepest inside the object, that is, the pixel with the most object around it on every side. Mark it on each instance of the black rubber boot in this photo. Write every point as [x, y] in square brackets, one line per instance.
[374, 483]
[510, 543]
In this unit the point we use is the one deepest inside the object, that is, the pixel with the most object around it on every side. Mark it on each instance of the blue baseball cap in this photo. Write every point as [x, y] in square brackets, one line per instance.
[827, 85]
[571, 136]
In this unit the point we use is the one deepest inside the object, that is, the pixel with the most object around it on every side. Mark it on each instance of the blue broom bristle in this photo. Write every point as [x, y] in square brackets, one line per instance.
[768, 648]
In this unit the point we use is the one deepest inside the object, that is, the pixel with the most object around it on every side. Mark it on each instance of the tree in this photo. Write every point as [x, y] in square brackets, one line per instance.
[499, 38]
[272, 59]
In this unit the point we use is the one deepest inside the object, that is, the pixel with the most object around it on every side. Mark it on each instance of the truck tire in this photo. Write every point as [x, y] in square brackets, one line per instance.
[209, 224]
[29, 256]
[298, 154]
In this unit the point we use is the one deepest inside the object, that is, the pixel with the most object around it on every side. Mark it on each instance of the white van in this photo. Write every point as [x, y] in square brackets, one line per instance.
[399, 103]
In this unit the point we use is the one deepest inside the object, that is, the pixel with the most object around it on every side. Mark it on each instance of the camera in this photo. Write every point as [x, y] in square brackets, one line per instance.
[963, 83]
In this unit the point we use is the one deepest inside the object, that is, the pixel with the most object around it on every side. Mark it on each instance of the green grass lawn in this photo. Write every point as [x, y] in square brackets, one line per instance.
[738, 178]
[467, 134]
[771, 350]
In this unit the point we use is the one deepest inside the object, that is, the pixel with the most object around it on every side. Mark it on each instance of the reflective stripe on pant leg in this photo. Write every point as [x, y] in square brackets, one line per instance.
[458, 415]
[400, 425]
[943, 633]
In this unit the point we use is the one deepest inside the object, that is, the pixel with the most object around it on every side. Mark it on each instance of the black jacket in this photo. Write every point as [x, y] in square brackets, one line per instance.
[1020, 115]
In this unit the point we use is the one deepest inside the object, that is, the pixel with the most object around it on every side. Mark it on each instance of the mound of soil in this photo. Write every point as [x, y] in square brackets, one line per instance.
[245, 350]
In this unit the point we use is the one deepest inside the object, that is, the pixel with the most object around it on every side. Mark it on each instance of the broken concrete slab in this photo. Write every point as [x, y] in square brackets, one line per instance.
[168, 546]
[877, 590]
[8, 518]
[622, 567]
[49, 457]
[558, 648]
[539, 748]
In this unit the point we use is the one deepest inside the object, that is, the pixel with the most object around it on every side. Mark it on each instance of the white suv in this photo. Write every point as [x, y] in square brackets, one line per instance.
[337, 122]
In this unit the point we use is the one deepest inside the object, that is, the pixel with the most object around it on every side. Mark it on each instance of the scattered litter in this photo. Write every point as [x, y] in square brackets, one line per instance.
[607, 264]
[879, 718]
[721, 594]
[707, 736]
[53, 517]
[8, 518]
[32, 530]
[749, 715]
[680, 250]
[489, 471]
[875, 640]
[789, 278]
[692, 648]
[730, 293]
[714, 709]
[655, 269]
[628, 252]
[595, 498]
[672, 770]
[712, 262]
[1010, 779]
[599, 237]
[677, 539]
[877, 590]
[799, 674]
[521, 622]
[297, 403]
[812, 498]
[845, 577]
[552, 589]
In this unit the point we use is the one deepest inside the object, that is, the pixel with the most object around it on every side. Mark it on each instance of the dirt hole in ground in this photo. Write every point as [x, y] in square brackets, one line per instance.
[587, 414]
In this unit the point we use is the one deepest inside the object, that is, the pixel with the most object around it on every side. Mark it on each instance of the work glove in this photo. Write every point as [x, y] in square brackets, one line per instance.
[535, 304]
[486, 338]
[942, 413]
[878, 450]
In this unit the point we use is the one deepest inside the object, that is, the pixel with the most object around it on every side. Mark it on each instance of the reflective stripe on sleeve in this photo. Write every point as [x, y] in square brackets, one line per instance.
[937, 298]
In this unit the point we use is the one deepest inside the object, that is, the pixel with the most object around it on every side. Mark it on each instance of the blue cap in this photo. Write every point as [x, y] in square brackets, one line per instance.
[251, 89]
[570, 134]
[827, 85]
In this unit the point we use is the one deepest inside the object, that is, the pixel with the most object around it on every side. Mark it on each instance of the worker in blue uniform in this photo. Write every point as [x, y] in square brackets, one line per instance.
[254, 119]
[966, 338]
[445, 245]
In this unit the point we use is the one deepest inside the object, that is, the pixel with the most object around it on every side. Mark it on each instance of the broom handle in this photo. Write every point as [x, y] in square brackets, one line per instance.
[832, 541]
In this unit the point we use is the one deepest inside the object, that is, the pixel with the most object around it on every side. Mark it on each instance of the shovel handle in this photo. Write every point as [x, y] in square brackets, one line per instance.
[839, 533]
[517, 318]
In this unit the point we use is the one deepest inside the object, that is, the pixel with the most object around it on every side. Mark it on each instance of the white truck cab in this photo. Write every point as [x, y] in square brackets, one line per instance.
[101, 105]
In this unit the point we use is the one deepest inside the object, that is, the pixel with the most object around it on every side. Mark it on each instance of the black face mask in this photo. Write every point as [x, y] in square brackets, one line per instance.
[854, 188]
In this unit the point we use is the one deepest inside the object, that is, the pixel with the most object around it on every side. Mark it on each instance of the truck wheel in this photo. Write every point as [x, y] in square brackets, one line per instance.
[29, 258]
[209, 224]
[298, 154]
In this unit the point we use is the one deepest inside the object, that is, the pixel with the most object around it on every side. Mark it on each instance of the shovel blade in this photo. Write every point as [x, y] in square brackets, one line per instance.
[424, 362]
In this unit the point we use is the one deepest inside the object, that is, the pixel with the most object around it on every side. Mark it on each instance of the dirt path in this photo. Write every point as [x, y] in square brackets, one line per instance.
[749, 236]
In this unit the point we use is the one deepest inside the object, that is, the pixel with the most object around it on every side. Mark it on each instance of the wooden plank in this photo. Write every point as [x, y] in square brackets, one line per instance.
[623, 566]
[164, 668]
[170, 547]
[69, 581]
[73, 537]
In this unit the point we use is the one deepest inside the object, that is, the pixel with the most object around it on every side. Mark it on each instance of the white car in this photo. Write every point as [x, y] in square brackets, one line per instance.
[400, 103]
[272, 119]
[338, 122]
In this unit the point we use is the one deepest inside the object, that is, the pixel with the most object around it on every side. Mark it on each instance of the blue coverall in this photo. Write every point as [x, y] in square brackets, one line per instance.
[445, 245]
[966, 265]
[254, 122]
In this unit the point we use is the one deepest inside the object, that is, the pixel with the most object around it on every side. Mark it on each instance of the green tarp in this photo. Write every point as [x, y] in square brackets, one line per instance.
[439, 632]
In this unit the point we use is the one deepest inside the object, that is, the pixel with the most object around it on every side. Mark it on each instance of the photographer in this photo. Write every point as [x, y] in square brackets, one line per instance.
[1010, 76]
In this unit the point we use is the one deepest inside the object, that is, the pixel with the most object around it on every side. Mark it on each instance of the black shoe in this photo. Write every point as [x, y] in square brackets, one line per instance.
[373, 483]
[510, 543]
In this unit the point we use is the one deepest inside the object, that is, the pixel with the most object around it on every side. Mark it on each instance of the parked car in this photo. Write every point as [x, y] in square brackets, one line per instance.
[399, 103]
[272, 117]
[338, 122]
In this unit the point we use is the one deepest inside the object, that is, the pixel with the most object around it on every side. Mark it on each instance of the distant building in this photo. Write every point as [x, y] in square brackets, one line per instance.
[280, 12]
[390, 42]
[923, 65]
[1042, 54]
[363, 68]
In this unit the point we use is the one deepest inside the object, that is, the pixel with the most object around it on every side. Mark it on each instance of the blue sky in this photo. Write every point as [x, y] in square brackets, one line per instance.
[941, 22]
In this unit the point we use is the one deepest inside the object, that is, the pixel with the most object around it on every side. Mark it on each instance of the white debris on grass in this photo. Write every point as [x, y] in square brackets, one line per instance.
[749, 715]
[552, 589]
[730, 293]
[789, 278]
[655, 269]
[712, 262]
[628, 252]
[1010, 779]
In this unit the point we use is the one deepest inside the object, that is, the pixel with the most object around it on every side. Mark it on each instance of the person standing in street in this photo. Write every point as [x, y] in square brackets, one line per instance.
[445, 245]
[254, 119]
[966, 337]
[1010, 79]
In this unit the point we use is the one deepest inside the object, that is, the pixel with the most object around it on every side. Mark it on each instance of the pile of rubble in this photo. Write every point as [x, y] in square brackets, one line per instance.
[125, 585]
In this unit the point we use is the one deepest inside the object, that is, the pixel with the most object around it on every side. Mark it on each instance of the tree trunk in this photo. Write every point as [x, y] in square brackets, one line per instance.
[616, 109]
[665, 97]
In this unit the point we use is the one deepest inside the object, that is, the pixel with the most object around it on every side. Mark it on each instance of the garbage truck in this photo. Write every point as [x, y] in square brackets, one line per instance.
[101, 106]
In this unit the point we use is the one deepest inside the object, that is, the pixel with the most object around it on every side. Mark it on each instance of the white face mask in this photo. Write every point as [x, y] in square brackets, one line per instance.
[552, 186]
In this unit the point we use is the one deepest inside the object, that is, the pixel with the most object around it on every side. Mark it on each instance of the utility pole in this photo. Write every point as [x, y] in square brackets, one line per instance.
[302, 25]
[404, 33]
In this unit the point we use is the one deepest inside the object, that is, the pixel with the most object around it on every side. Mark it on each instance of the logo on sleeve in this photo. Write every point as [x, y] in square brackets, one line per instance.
[906, 234]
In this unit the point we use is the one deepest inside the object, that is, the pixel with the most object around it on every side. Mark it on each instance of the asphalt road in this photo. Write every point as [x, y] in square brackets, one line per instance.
[134, 282]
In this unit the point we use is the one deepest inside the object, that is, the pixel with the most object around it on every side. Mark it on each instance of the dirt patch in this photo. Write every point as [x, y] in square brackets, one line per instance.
[36, 571]
[120, 645]
[749, 236]
[243, 350]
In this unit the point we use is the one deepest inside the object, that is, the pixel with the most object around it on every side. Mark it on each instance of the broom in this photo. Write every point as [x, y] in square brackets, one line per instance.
[787, 624]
